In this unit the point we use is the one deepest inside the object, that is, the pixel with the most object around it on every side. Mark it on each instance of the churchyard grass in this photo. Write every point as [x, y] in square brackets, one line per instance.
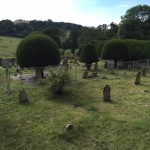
[8, 46]
[123, 124]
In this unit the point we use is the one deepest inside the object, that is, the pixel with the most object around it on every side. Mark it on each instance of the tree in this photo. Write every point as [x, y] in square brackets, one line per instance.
[88, 55]
[54, 33]
[135, 23]
[115, 50]
[37, 50]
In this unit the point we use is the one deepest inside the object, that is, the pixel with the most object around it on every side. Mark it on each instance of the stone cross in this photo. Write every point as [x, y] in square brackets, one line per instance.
[138, 77]
[106, 93]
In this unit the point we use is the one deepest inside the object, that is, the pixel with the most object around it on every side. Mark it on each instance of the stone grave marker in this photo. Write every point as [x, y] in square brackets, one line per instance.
[23, 96]
[85, 74]
[96, 66]
[106, 93]
[69, 127]
[138, 78]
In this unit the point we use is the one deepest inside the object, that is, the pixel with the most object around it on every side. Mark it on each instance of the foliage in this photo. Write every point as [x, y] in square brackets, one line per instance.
[138, 49]
[135, 23]
[57, 79]
[54, 33]
[100, 47]
[37, 50]
[68, 53]
[88, 54]
[115, 50]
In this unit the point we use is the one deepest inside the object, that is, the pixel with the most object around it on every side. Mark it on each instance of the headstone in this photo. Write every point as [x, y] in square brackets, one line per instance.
[85, 74]
[144, 71]
[69, 127]
[106, 93]
[23, 96]
[138, 77]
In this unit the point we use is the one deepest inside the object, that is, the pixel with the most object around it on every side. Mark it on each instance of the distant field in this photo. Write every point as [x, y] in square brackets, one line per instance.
[8, 46]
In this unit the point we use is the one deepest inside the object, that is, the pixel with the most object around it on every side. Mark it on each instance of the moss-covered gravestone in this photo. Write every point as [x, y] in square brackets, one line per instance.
[23, 96]
[106, 93]
[138, 78]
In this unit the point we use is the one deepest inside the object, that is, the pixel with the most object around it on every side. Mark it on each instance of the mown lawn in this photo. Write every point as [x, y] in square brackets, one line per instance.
[8, 46]
[123, 124]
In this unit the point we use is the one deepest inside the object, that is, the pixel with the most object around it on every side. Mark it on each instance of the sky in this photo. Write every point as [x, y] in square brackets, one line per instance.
[89, 13]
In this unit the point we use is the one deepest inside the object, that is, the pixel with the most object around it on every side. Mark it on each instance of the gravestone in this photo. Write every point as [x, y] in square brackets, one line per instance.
[138, 77]
[69, 127]
[106, 93]
[23, 96]
[85, 74]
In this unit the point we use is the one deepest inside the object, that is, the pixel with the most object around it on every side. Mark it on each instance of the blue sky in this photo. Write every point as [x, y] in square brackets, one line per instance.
[84, 12]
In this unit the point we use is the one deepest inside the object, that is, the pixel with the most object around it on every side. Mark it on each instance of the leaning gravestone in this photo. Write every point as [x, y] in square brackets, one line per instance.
[96, 66]
[23, 96]
[106, 65]
[85, 74]
[106, 93]
[138, 77]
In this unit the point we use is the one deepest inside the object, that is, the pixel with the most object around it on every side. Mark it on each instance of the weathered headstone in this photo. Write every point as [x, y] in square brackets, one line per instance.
[85, 74]
[23, 96]
[106, 93]
[138, 77]
[69, 127]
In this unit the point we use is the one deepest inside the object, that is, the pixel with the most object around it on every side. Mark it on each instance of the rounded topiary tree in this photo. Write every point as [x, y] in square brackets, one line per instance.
[88, 55]
[115, 50]
[37, 50]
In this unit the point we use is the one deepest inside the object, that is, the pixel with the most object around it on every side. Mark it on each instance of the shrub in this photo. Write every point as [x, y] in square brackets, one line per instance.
[57, 79]
[37, 50]
[88, 55]
[115, 50]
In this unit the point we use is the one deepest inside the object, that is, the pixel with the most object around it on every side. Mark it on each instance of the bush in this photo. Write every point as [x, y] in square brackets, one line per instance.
[115, 50]
[57, 79]
[88, 55]
[100, 48]
[37, 50]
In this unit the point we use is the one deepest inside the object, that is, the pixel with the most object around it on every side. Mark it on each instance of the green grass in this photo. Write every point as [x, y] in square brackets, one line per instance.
[8, 46]
[123, 124]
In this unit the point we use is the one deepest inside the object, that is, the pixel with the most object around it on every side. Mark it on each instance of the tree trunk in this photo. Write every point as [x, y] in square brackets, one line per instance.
[39, 72]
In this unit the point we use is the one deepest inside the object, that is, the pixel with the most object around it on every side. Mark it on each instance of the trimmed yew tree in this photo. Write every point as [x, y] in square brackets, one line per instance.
[115, 50]
[37, 51]
[88, 55]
